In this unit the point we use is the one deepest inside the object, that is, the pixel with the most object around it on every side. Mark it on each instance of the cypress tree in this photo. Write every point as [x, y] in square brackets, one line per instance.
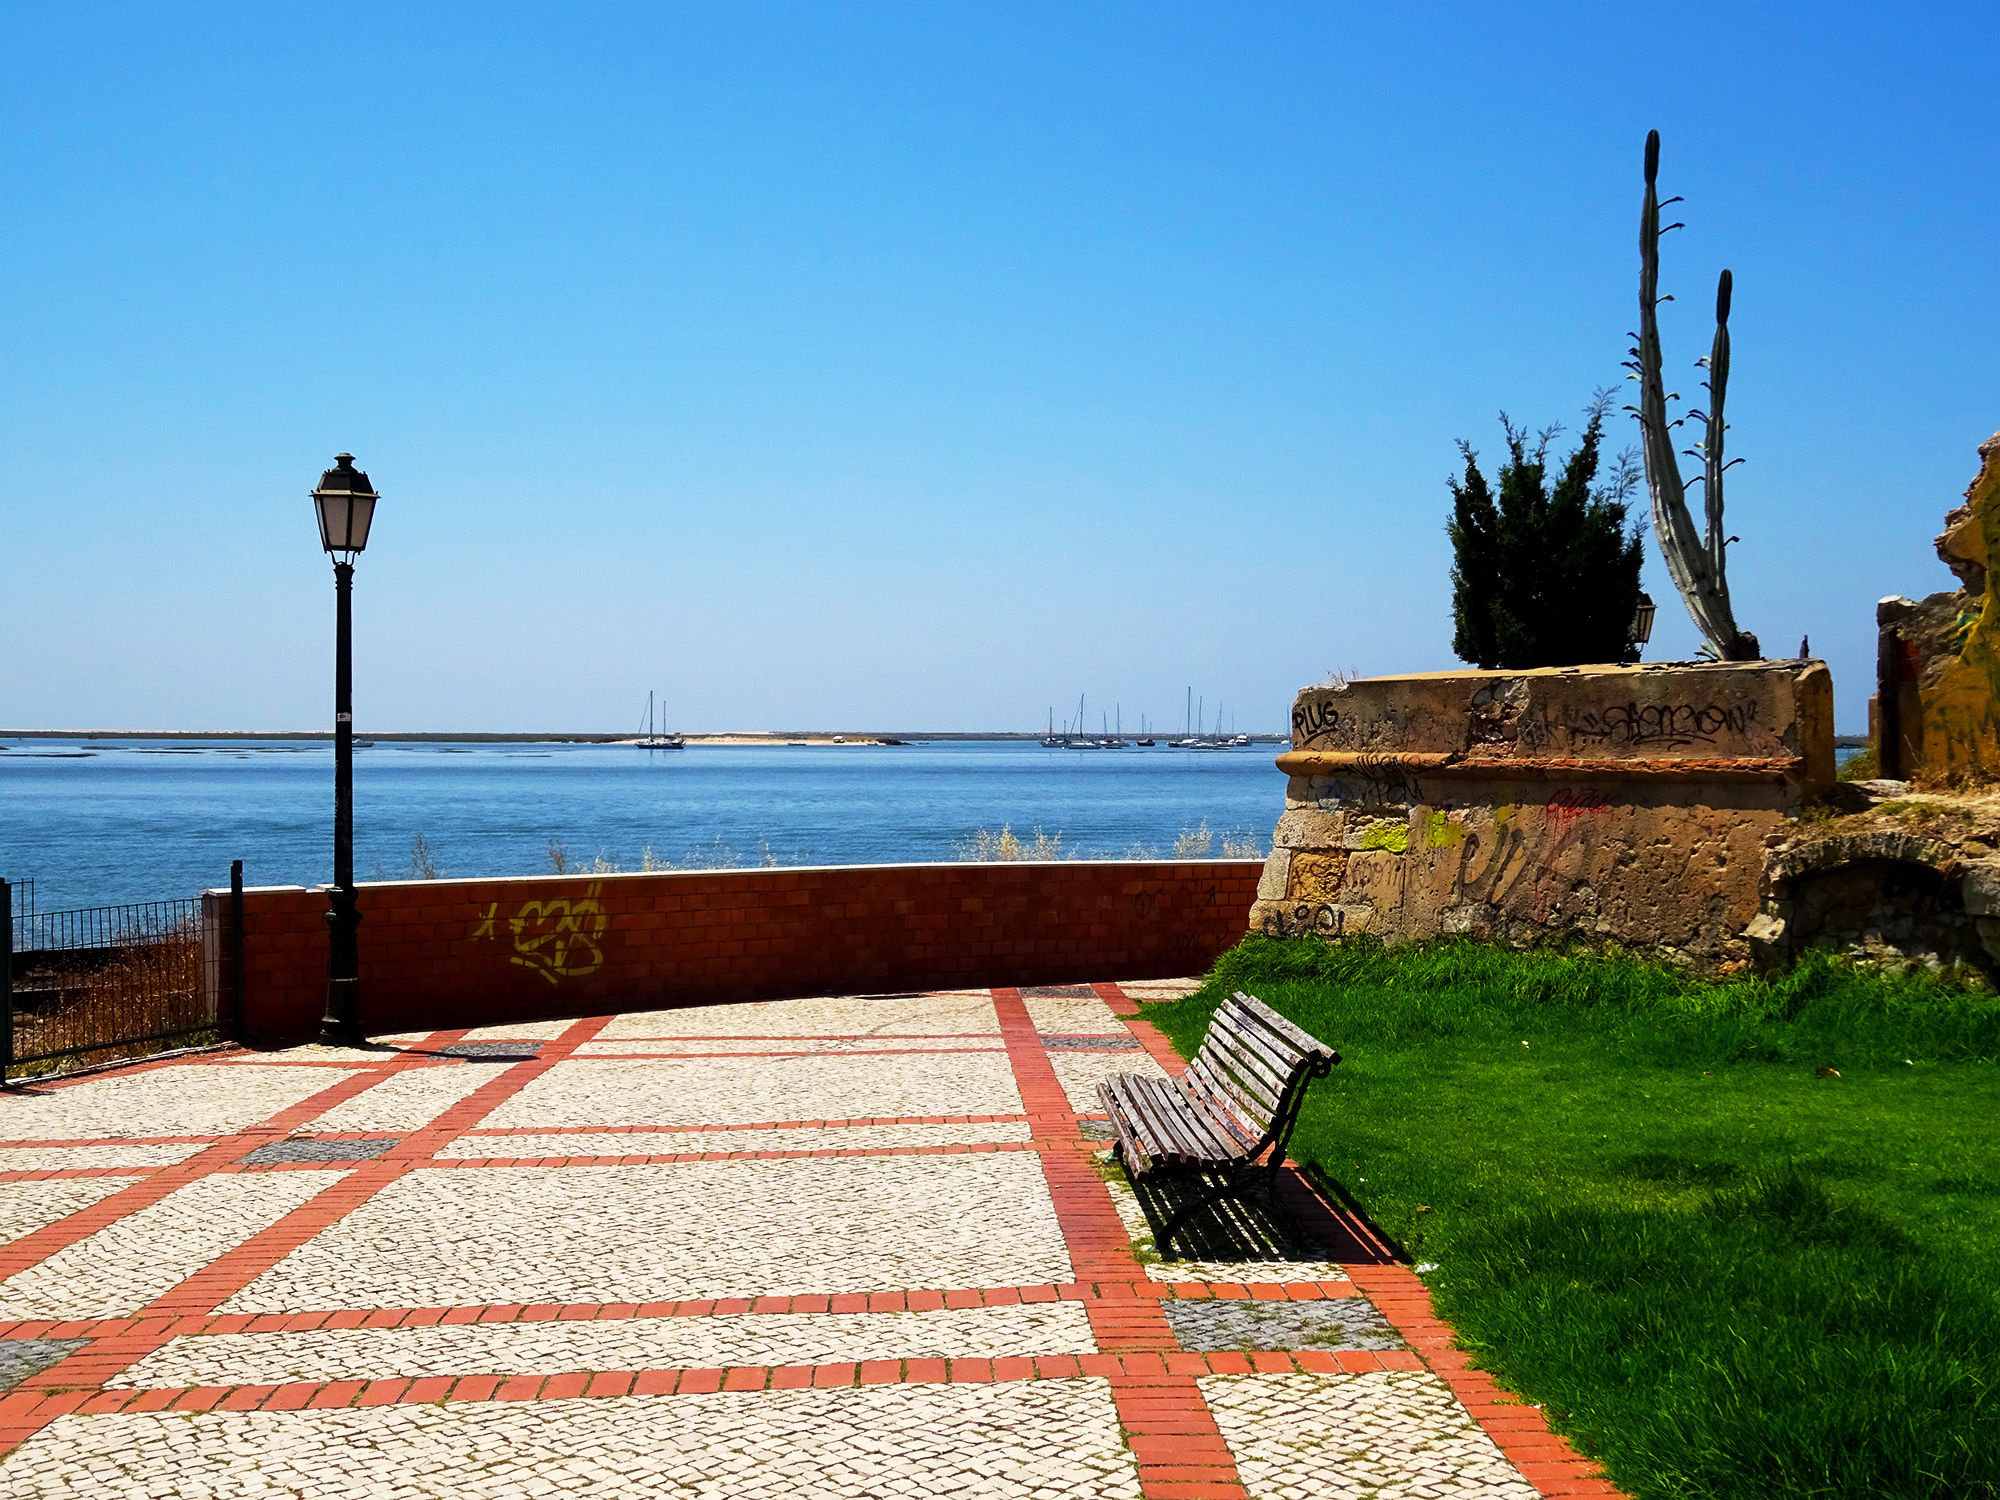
[1541, 576]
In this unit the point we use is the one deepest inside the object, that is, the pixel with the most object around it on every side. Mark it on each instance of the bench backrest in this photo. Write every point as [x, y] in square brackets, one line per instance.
[1252, 1069]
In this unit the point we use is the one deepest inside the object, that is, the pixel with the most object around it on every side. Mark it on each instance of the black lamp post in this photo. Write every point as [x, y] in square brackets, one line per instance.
[346, 504]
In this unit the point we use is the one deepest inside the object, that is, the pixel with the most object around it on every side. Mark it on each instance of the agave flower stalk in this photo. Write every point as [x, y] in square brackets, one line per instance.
[1697, 563]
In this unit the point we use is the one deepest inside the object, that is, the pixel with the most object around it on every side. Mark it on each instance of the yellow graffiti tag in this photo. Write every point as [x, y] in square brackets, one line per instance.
[556, 939]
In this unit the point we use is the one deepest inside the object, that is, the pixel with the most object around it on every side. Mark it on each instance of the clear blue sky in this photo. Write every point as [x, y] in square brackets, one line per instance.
[924, 366]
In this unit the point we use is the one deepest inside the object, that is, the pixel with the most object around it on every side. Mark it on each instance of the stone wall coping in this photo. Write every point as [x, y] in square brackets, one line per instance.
[547, 876]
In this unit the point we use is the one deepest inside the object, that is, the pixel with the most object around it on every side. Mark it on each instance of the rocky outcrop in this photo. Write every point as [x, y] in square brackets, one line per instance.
[1936, 714]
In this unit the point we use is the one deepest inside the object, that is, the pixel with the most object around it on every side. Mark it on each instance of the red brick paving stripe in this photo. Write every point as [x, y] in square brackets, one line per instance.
[111, 1140]
[1151, 1401]
[1173, 1436]
[1124, 1306]
[57, 1174]
[1049, 1114]
[1153, 1406]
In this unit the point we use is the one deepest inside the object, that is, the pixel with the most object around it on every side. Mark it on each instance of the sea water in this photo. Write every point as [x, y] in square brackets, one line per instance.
[102, 821]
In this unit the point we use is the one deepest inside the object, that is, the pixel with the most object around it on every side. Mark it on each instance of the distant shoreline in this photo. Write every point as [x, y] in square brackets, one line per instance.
[727, 737]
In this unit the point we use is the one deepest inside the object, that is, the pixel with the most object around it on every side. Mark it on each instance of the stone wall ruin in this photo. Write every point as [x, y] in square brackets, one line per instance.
[1629, 804]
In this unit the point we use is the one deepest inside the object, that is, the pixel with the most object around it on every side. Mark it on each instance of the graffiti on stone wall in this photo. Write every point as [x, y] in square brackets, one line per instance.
[1322, 920]
[1662, 724]
[1317, 724]
[1637, 726]
[556, 939]
[1571, 803]
[1496, 713]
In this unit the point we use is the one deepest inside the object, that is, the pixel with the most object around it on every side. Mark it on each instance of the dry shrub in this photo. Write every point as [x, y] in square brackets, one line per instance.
[94, 999]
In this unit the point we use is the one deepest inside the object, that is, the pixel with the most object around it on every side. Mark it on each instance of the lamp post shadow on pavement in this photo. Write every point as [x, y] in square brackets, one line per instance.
[345, 502]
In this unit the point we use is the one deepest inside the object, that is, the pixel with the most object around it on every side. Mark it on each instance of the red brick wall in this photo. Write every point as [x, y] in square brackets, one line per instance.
[473, 952]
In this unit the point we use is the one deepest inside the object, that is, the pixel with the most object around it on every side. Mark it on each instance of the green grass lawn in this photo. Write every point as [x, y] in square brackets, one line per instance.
[1723, 1270]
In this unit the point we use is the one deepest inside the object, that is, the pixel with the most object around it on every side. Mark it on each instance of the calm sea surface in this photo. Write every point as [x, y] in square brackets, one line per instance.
[102, 821]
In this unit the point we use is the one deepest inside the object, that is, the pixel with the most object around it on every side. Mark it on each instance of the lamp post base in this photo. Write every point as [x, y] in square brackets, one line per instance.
[340, 1025]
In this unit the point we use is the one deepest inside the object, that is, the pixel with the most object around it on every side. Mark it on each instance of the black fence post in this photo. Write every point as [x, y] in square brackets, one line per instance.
[236, 950]
[6, 979]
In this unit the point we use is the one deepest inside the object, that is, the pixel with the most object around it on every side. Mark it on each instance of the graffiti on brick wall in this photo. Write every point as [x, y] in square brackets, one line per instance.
[556, 939]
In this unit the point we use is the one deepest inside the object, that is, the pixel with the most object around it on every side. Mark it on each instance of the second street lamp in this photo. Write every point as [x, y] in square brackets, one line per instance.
[346, 505]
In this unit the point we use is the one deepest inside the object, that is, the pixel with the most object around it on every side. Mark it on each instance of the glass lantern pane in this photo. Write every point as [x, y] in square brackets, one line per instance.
[361, 512]
[332, 510]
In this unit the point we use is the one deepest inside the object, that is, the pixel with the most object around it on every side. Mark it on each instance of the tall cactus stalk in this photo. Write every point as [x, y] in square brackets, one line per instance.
[1698, 564]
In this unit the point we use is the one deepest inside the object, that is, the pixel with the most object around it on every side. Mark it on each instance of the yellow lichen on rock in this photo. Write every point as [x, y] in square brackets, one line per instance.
[1961, 705]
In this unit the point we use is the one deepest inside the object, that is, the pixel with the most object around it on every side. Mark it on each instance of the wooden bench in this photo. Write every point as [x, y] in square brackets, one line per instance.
[1226, 1120]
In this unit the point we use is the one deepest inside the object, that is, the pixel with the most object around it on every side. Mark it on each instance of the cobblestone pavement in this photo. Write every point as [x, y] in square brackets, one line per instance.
[850, 1246]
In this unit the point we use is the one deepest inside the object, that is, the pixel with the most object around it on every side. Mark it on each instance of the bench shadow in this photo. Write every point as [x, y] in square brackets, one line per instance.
[1295, 1222]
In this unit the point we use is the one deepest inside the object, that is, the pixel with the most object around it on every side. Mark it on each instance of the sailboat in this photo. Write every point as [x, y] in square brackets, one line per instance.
[1145, 735]
[1078, 740]
[1050, 741]
[653, 741]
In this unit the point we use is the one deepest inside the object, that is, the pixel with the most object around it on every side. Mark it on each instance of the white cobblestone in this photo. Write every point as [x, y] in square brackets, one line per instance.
[75, 1158]
[403, 1101]
[1391, 1433]
[752, 1090]
[1073, 1015]
[701, 1046]
[519, 1031]
[203, 1099]
[1078, 1073]
[1158, 989]
[673, 1142]
[28, 1206]
[696, 1229]
[553, 1348]
[947, 1013]
[1033, 1440]
[125, 1265]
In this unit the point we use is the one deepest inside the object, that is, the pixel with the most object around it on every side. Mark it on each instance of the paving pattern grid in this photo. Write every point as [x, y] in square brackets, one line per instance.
[849, 1246]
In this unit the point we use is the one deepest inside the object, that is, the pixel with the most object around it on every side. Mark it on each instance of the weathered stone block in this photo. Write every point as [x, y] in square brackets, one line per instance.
[1309, 828]
[1317, 876]
[1274, 882]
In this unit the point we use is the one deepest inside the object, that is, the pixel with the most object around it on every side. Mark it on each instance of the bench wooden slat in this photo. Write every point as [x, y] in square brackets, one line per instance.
[1152, 1124]
[1233, 1045]
[1218, 1082]
[1277, 1053]
[1304, 1041]
[1199, 1137]
[1194, 1134]
[1137, 1158]
[1218, 1062]
[1239, 1130]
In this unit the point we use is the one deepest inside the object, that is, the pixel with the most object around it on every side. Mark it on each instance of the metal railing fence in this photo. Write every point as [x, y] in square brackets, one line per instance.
[102, 979]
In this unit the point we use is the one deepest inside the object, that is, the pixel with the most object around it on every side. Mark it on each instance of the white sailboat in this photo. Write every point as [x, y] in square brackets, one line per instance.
[653, 741]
